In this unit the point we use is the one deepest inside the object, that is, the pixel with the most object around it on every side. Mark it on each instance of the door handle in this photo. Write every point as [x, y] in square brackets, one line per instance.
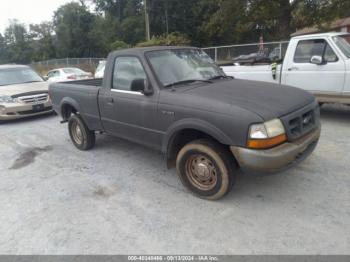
[292, 68]
[110, 100]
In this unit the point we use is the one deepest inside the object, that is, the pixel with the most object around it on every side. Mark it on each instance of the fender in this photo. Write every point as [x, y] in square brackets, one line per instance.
[196, 124]
[68, 101]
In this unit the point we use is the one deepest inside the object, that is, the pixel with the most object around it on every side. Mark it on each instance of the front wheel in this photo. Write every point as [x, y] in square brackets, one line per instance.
[82, 137]
[206, 169]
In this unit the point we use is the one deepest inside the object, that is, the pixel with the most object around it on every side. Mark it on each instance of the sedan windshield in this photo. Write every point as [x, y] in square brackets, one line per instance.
[73, 71]
[343, 42]
[18, 76]
[183, 66]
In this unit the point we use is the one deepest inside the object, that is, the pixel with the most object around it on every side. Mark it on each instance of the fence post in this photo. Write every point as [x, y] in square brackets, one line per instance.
[280, 50]
[216, 54]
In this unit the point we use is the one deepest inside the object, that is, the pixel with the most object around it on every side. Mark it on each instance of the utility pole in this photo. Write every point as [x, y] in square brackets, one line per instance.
[166, 18]
[148, 37]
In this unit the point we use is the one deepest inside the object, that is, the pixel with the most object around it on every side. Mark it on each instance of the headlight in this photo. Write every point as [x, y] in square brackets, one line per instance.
[7, 99]
[266, 135]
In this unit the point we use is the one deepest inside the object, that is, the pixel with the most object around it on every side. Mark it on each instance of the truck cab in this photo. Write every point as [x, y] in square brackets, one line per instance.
[318, 63]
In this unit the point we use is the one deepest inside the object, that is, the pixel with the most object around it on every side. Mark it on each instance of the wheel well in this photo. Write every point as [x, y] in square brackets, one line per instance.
[180, 139]
[67, 110]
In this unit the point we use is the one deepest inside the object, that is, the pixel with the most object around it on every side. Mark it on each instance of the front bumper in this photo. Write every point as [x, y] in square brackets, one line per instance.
[17, 110]
[278, 158]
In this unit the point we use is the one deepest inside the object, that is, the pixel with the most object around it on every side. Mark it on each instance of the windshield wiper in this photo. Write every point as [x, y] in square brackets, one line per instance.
[188, 81]
[221, 77]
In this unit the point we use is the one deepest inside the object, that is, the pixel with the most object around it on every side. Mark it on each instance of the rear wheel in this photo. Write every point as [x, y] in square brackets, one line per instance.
[82, 137]
[206, 169]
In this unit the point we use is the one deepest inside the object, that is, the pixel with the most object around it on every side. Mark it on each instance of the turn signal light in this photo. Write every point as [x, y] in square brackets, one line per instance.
[266, 143]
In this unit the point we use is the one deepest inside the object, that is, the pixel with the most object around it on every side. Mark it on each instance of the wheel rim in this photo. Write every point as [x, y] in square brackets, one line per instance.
[77, 133]
[201, 172]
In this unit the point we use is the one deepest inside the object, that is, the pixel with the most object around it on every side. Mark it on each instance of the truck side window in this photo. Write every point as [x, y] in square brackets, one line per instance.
[309, 48]
[127, 69]
[329, 55]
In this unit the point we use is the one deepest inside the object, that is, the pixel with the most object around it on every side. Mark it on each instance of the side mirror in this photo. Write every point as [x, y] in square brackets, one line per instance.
[317, 60]
[45, 78]
[141, 85]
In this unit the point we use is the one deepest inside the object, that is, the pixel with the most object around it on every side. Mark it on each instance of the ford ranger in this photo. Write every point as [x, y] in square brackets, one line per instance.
[178, 101]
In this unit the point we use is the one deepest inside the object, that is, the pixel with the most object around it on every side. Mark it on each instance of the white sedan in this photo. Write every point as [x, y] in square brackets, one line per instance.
[67, 74]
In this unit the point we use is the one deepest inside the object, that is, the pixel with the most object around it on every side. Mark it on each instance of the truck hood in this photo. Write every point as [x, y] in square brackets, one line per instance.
[16, 89]
[265, 99]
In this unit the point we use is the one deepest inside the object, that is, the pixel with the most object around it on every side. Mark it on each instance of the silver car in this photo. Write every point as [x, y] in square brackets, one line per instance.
[67, 74]
[23, 93]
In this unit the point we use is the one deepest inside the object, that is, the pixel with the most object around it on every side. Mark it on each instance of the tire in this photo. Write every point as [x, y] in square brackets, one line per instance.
[206, 168]
[82, 137]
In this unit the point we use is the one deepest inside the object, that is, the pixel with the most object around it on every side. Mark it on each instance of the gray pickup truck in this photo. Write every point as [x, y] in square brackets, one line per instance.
[177, 101]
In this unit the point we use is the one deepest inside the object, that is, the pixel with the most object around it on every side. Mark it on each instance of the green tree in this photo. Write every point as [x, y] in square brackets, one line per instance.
[182, 16]
[319, 13]
[174, 38]
[118, 45]
[42, 41]
[73, 24]
[125, 19]
[17, 43]
[111, 8]
[226, 24]
[102, 34]
[3, 51]
[75, 31]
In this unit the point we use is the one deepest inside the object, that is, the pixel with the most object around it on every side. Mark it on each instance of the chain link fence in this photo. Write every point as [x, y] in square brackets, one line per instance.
[86, 64]
[220, 54]
[225, 54]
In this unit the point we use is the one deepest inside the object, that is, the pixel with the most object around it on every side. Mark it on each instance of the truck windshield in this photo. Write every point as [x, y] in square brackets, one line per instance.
[183, 66]
[343, 42]
[18, 76]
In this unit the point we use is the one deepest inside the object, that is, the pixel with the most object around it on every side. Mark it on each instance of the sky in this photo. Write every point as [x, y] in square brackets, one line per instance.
[28, 11]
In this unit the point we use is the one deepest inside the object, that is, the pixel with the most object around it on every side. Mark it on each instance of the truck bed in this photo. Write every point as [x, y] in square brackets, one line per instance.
[83, 94]
[252, 72]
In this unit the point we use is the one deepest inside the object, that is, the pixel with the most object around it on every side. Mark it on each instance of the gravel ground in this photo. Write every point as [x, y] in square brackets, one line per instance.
[119, 198]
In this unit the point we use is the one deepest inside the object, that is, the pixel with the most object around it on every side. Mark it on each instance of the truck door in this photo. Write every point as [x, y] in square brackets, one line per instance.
[325, 77]
[125, 113]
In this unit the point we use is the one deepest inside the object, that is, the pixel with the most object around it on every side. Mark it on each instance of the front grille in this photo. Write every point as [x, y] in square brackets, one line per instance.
[28, 112]
[33, 99]
[302, 121]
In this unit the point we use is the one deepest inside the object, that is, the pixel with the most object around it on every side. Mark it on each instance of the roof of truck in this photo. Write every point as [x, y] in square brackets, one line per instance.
[320, 35]
[150, 48]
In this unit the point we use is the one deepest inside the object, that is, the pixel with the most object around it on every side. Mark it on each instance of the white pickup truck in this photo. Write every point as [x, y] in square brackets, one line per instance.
[318, 63]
